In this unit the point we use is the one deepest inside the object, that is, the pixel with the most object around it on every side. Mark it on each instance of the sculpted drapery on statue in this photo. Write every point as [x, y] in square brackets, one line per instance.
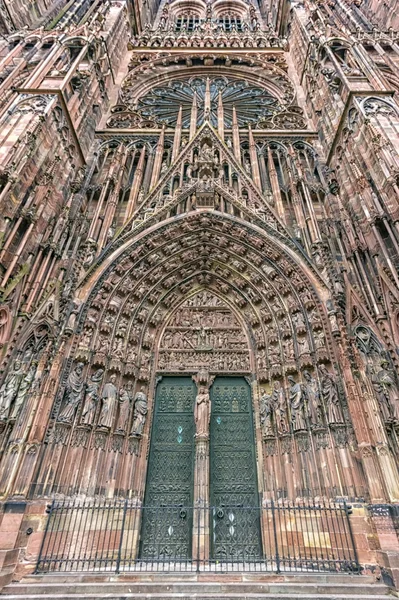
[124, 409]
[297, 405]
[330, 395]
[109, 406]
[266, 411]
[139, 413]
[202, 411]
[9, 389]
[91, 398]
[23, 390]
[73, 394]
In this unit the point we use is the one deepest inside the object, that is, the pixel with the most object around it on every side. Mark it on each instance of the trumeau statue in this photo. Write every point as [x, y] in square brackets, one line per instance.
[109, 404]
[202, 411]
[73, 394]
[91, 398]
[139, 413]
[297, 405]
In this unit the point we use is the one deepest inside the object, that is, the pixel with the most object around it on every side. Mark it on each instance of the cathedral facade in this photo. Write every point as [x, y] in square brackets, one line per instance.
[199, 295]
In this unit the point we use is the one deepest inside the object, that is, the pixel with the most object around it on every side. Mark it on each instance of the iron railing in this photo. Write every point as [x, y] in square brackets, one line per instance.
[119, 535]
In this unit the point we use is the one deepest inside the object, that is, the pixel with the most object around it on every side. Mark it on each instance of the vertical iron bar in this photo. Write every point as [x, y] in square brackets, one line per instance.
[355, 556]
[44, 537]
[275, 537]
[52, 536]
[338, 534]
[118, 560]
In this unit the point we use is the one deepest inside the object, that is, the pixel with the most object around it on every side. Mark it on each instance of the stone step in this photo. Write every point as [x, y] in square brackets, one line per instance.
[117, 588]
[198, 588]
[200, 596]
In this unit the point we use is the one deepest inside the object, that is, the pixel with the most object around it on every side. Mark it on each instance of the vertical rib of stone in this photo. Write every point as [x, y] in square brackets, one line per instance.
[275, 185]
[134, 192]
[254, 159]
[120, 159]
[236, 136]
[104, 193]
[207, 98]
[220, 116]
[177, 138]
[194, 116]
[158, 159]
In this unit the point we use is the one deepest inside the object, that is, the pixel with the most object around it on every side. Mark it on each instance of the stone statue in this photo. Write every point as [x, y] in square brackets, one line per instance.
[319, 339]
[139, 413]
[280, 410]
[266, 410]
[384, 381]
[303, 345]
[23, 390]
[124, 407]
[312, 394]
[9, 389]
[329, 393]
[297, 405]
[91, 398]
[109, 404]
[202, 412]
[73, 394]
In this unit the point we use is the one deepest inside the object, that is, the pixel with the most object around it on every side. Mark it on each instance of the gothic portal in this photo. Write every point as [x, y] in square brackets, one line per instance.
[199, 289]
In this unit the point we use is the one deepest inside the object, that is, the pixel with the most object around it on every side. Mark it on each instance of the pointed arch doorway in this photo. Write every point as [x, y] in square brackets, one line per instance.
[201, 496]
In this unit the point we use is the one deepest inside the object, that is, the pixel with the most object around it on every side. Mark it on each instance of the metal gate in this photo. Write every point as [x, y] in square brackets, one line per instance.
[104, 536]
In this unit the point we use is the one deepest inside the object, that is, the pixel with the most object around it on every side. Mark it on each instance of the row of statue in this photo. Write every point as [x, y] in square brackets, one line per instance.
[15, 389]
[307, 402]
[79, 392]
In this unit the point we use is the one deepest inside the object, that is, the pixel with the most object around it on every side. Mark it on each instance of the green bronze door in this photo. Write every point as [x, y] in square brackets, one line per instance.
[235, 515]
[167, 516]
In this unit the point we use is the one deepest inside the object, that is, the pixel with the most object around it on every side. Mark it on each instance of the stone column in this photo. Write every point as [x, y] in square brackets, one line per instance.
[201, 499]
[202, 412]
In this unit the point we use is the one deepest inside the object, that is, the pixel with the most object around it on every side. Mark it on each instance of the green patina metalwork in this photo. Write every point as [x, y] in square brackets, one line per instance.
[168, 532]
[235, 518]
